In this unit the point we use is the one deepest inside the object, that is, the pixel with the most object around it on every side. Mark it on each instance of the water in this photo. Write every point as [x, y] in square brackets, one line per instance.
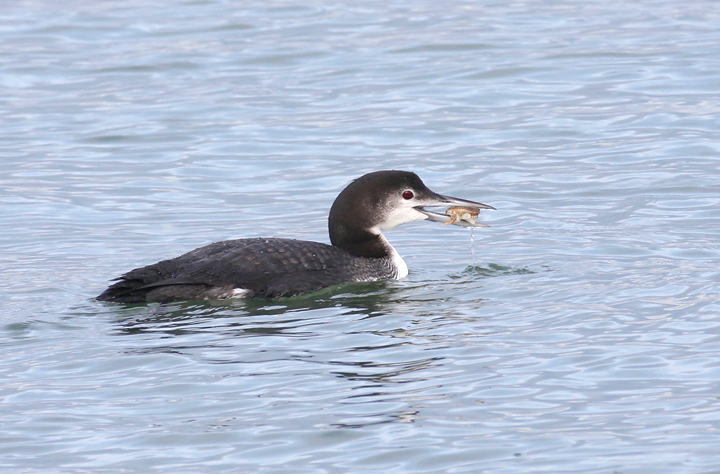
[583, 337]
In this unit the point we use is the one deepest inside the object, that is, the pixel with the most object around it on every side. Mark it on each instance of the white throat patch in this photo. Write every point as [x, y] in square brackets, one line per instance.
[399, 264]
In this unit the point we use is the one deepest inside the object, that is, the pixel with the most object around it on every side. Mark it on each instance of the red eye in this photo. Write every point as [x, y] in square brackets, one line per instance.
[408, 195]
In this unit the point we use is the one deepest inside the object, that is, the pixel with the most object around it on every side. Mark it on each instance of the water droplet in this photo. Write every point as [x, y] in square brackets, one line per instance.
[472, 245]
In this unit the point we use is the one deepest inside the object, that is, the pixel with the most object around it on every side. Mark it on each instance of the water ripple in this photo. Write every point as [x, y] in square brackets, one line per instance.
[580, 334]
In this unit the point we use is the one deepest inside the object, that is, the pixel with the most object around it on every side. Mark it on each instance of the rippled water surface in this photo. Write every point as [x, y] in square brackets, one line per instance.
[584, 336]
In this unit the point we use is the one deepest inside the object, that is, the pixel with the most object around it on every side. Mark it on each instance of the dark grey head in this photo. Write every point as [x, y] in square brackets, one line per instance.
[380, 201]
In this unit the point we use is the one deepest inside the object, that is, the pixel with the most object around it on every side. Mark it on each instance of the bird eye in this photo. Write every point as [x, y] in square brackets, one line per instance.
[408, 194]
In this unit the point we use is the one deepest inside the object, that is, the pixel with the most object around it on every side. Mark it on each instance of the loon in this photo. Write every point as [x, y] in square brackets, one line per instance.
[277, 267]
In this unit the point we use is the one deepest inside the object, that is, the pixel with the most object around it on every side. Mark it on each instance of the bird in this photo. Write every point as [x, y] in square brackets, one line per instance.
[281, 267]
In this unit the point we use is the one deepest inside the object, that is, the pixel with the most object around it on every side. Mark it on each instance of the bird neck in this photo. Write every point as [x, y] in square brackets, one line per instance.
[360, 242]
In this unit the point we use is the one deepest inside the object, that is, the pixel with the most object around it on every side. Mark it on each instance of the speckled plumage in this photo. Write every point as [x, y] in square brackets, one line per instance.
[267, 268]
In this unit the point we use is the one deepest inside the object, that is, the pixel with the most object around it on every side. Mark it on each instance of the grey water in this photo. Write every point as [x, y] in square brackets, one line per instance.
[584, 336]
